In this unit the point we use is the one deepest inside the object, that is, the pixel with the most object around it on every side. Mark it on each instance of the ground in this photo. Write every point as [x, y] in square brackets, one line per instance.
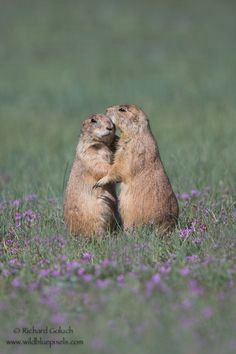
[60, 61]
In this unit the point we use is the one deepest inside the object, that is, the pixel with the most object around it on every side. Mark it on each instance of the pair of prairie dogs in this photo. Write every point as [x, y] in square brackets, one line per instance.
[102, 159]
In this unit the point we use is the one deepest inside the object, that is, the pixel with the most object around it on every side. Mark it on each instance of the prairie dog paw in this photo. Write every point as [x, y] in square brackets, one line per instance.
[102, 182]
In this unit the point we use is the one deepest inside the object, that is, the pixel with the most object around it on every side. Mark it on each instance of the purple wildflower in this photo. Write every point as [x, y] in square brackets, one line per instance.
[14, 250]
[156, 278]
[187, 196]
[16, 203]
[186, 304]
[81, 271]
[205, 211]
[18, 223]
[56, 272]
[49, 301]
[149, 288]
[72, 265]
[44, 272]
[6, 272]
[13, 262]
[202, 228]
[165, 269]
[87, 257]
[197, 241]
[87, 277]
[185, 233]
[185, 271]
[59, 239]
[18, 216]
[152, 283]
[120, 279]
[103, 283]
[195, 193]
[193, 258]
[9, 242]
[184, 196]
[62, 258]
[29, 215]
[194, 288]
[17, 283]
[107, 262]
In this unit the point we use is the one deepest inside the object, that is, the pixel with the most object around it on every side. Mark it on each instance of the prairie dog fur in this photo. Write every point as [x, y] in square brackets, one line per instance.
[88, 211]
[146, 195]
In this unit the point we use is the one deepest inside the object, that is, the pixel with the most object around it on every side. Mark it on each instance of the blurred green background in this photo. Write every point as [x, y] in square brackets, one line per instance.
[62, 60]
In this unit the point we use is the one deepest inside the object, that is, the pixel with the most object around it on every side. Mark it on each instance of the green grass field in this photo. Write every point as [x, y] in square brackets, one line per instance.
[61, 61]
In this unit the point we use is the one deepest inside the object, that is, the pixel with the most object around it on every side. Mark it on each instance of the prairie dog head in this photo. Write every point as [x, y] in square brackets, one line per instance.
[99, 127]
[128, 118]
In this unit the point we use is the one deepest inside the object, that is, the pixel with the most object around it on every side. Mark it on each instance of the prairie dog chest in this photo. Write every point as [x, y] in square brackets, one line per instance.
[105, 154]
[130, 149]
[124, 148]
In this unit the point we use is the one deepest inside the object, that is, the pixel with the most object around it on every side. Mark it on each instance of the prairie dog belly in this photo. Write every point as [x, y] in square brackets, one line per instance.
[137, 208]
[92, 211]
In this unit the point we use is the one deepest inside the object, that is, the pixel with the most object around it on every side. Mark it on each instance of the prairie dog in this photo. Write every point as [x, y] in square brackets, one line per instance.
[88, 211]
[146, 195]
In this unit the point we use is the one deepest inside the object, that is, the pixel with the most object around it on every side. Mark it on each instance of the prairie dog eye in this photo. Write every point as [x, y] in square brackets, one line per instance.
[93, 120]
[122, 109]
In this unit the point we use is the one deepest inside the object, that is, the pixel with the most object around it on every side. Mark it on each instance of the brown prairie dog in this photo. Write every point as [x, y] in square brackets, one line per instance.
[146, 195]
[88, 211]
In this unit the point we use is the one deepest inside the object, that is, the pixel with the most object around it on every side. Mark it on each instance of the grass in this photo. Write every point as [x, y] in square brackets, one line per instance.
[60, 61]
